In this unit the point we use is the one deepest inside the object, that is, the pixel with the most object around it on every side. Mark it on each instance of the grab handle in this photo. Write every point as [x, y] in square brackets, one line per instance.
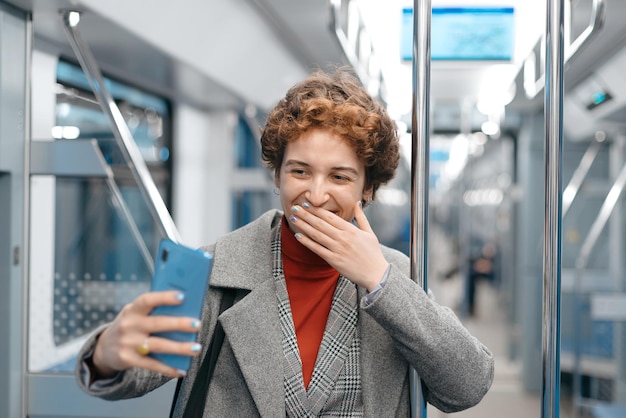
[533, 84]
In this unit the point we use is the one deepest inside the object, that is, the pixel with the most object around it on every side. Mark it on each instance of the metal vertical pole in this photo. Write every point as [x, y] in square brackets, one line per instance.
[552, 226]
[419, 166]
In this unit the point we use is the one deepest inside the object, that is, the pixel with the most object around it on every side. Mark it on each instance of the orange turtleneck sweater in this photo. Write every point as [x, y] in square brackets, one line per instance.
[311, 283]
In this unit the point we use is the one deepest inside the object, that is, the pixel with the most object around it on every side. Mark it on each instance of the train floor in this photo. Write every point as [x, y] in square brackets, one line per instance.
[507, 397]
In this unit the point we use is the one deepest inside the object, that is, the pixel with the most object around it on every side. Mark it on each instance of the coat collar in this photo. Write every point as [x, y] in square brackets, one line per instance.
[243, 260]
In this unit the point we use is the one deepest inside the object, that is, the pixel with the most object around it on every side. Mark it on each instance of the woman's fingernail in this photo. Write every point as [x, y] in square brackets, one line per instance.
[294, 208]
[196, 347]
[292, 218]
[305, 205]
[180, 296]
[181, 373]
[195, 323]
[298, 235]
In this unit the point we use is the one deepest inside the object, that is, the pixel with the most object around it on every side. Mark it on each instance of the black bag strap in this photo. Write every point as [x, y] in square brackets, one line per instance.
[197, 398]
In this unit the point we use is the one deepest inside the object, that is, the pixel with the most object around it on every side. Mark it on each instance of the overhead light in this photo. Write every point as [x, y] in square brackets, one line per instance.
[497, 89]
[459, 152]
[489, 128]
[65, 132]
[63, 109]
[392, 197]
[401, 126]
[483, 197]
[73, 18]
[250, 110]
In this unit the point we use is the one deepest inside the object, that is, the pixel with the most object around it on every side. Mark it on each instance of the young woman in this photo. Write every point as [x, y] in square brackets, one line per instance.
[326, 321]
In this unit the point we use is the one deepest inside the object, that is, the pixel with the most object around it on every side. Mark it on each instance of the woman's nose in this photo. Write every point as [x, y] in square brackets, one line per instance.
[317, 193]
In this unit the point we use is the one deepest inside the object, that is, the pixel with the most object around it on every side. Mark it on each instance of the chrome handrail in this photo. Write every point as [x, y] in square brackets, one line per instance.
[83, 158]
[342, 37]
[119, 201]
[533, 85]
[362, 65]
[420, 134]
[607, 208]
[551, 310]
[122, 133]
[603, 216]
[572, 188]
[595, 25]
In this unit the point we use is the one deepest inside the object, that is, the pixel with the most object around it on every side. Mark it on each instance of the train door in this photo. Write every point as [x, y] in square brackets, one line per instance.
[57, 278]
[91, 237]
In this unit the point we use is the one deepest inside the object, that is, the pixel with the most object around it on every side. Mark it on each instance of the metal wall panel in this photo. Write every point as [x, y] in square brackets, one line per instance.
[14, 46]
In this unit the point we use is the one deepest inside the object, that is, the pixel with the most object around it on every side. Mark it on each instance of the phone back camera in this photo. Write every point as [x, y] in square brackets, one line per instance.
[164, 255]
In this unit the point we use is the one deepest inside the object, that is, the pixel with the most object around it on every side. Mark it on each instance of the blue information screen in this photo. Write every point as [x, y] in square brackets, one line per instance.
[465, 33]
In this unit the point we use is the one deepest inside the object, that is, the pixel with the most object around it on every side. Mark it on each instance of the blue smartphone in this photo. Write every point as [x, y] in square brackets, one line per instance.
[188, 270]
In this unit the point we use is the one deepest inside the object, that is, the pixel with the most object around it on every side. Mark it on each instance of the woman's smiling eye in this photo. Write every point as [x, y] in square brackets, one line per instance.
[340, 177]
[298, 171]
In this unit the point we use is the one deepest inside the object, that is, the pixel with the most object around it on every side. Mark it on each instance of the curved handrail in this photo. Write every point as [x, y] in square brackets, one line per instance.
[532, 84]
[595, 25]
[122, 134]
[608, 206]
[570, 192]
[603, 216]
[362, 67]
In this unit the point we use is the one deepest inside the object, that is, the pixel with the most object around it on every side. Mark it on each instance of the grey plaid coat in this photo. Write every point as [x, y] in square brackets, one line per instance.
[404, 327]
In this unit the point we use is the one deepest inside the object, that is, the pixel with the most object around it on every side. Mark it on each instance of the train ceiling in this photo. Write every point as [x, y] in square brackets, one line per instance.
[221, 54]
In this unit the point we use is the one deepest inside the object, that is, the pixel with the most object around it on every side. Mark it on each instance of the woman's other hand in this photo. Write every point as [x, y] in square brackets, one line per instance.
[352, 250]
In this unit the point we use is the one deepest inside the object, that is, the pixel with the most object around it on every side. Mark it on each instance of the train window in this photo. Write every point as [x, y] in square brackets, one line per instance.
[79, 116]
[248, 204]
[102, 244]
[247, 148]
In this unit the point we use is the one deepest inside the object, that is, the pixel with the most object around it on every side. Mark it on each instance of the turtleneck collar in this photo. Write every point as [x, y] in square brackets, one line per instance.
[295, 252]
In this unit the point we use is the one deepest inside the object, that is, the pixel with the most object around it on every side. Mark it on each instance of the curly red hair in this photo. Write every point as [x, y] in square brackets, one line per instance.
[336, 102]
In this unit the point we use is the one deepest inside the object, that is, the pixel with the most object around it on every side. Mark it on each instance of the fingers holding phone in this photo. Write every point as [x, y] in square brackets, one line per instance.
[127, 342]
[188, 271]
[159, 330]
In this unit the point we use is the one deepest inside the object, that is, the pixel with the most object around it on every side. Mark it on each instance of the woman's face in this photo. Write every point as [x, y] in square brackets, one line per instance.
[322, 169]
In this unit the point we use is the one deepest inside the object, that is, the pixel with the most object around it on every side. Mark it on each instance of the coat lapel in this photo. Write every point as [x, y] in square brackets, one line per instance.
[338, 340]
[252, 328]
[251, 325]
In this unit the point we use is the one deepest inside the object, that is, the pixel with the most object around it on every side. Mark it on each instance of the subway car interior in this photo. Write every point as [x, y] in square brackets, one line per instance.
[120, 119]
